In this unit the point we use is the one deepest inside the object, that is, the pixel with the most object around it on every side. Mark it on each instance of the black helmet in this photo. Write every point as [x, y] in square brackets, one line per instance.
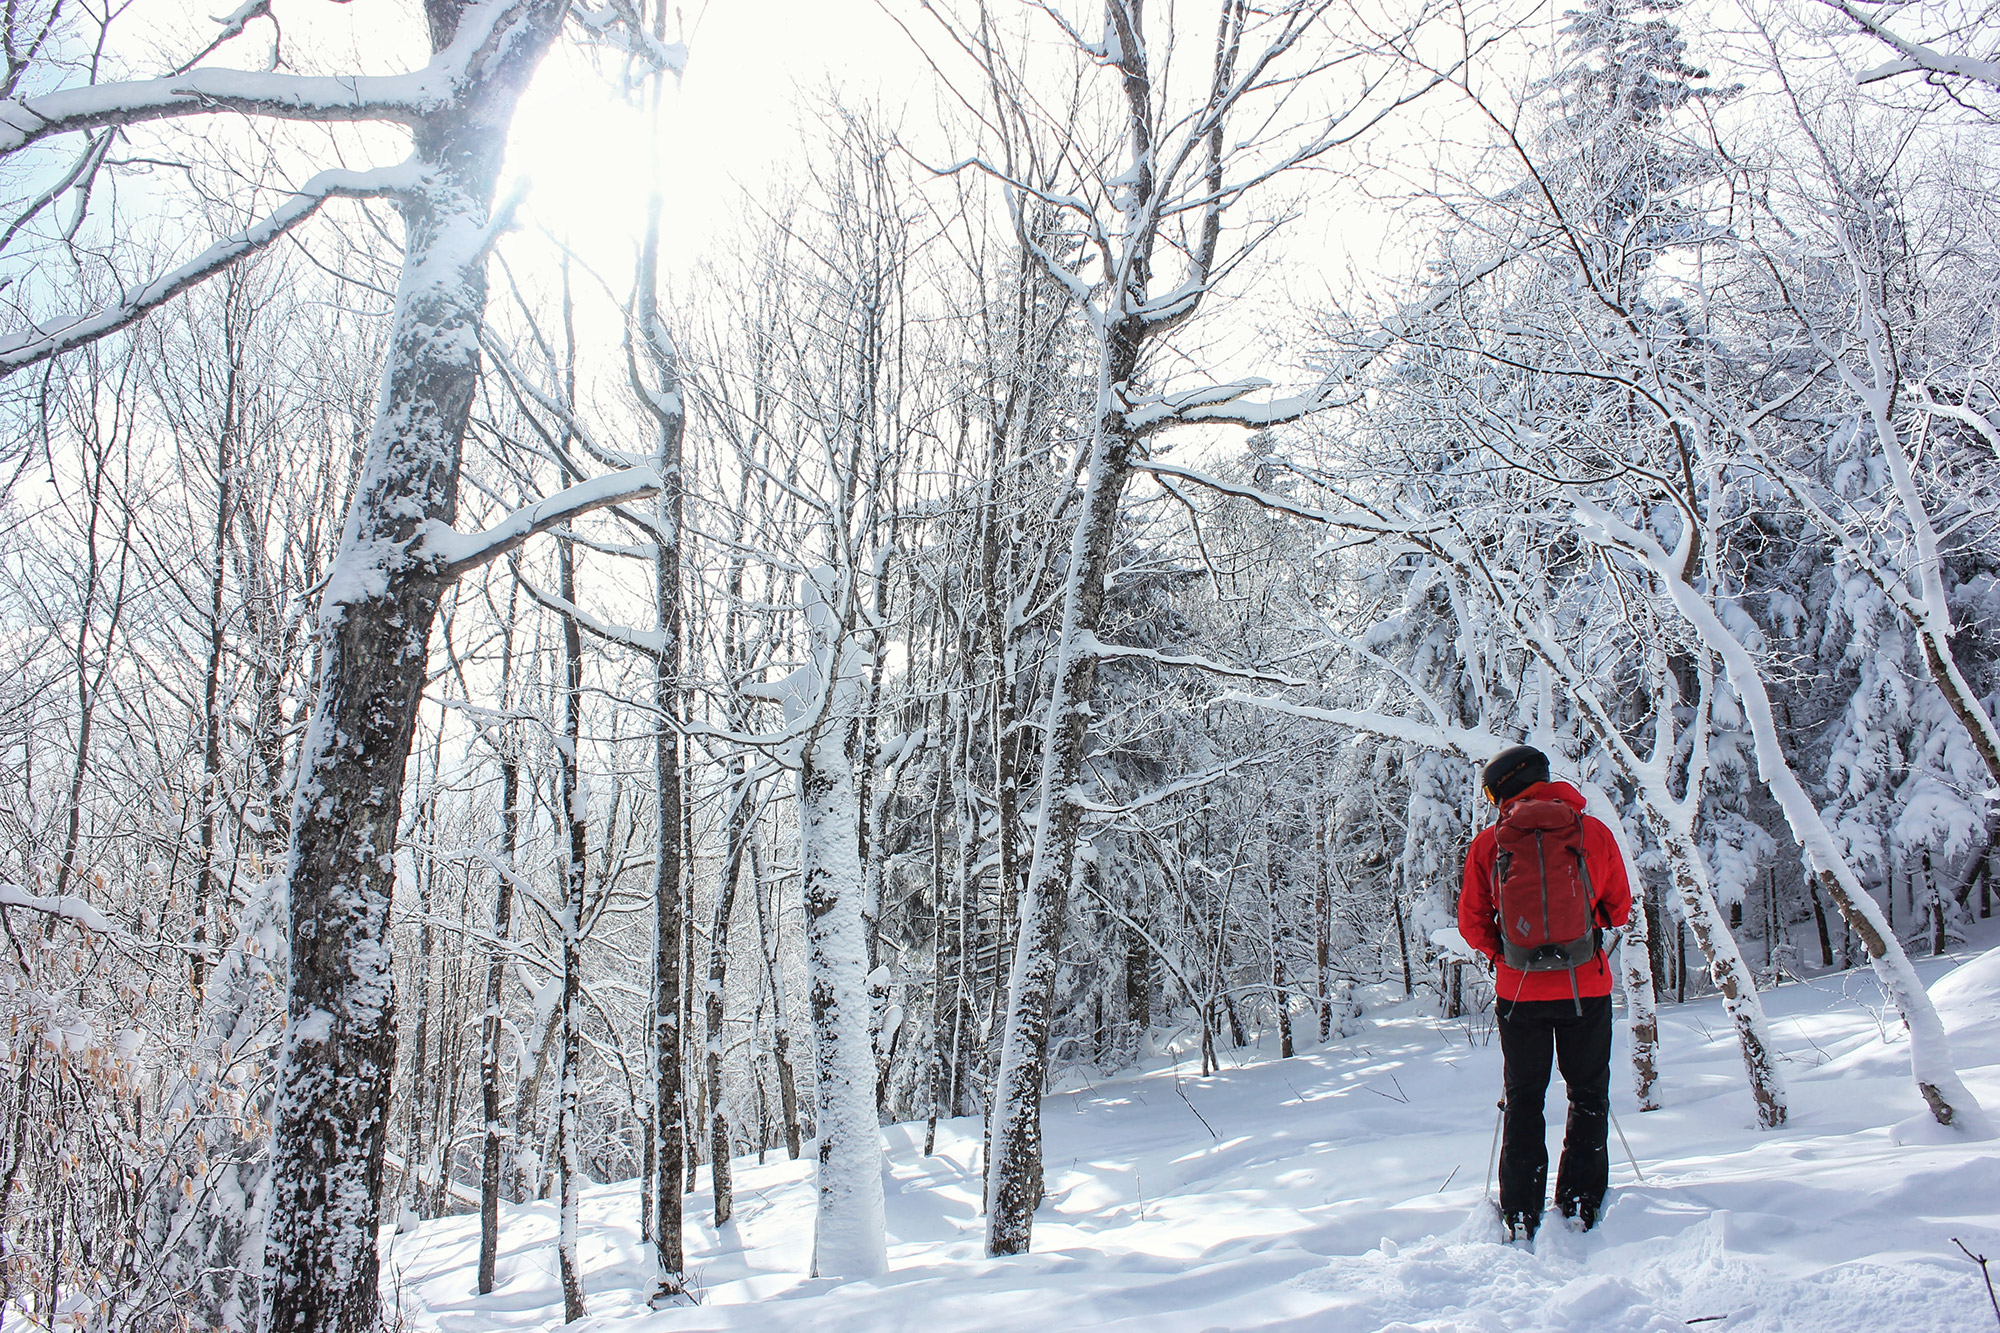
[1513, 771]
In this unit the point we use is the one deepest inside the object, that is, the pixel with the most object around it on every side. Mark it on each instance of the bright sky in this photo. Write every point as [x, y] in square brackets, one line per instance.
[730, 123]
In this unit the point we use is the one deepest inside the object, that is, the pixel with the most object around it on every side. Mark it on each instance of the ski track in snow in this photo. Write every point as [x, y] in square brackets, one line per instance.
[1342, 1190]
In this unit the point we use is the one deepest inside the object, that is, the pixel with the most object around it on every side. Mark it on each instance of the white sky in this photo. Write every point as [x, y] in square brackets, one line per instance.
[730, 123]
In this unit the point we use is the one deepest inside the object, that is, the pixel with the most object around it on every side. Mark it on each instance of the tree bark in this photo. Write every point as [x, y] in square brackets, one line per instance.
[574, 823]
[330, 1119]
[735, 837]
[1014, 1172]
[848, 1227]
[490, 1026]
[211, 682]
[774, 980]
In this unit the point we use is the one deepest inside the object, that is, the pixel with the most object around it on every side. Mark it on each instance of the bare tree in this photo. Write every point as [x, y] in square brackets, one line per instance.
[397, 554]
[1184, 160]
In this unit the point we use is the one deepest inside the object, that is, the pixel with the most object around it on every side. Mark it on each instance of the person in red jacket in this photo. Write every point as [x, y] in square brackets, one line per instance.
[1540, 1016]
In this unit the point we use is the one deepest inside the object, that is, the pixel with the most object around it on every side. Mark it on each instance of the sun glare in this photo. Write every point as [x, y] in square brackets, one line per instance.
[730, 125]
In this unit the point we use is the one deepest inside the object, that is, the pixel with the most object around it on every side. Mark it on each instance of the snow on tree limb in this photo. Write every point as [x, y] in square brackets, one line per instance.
[617, 25]
[1101, 811]
[1913, 57]
[1106, 652]
[30, 346]
[453, 552]
[1964, 415]
[1464, 743]
[484, 36]
[650, 642]
[66, 907]
[1360, 520]
[1950, 1102]
[233, 26]
[397, 98]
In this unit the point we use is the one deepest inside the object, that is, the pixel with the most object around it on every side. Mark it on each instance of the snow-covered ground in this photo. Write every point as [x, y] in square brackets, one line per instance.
[1342, 1190]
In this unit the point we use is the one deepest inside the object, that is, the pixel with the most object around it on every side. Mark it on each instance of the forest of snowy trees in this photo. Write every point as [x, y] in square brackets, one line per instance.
[480, 715]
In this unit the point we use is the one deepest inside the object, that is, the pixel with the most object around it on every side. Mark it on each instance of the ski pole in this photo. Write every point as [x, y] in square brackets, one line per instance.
[1641, 1175]
[1493, 1157]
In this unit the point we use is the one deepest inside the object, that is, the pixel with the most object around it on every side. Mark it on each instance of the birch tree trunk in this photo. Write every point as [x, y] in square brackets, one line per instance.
[1672, 819]
[1931, 1068]
[1642, 1006]
[848, 1227]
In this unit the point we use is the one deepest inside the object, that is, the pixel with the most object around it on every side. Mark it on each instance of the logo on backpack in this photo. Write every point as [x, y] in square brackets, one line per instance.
[1541, 888]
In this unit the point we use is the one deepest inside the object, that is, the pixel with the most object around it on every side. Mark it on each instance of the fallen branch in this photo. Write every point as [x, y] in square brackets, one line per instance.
[1984, 1272]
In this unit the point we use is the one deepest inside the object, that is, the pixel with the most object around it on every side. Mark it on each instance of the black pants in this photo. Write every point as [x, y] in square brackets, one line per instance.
[1530, 1032]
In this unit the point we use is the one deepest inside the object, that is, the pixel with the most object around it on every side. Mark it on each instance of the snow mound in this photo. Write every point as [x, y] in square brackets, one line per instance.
[1968, 1000]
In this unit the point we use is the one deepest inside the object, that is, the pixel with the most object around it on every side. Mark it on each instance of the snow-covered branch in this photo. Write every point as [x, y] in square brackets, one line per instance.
[395, 98]
[67, 907]
[1167, 791]
[649, 642]
[233, 26]
[29, 346]
[485, 36]
[452, 553]
[1109, 651]
[1474, 746]
[1912, 57]
[1361, 520]
[618, 26]
[1963, 415]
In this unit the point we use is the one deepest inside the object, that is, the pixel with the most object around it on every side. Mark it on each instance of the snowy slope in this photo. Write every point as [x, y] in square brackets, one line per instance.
[1341, 1190]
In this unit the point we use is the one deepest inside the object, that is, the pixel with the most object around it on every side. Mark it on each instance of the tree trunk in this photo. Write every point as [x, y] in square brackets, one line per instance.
[375, 618]
[569, 1087]
[1986, 881]
[735, 838]
[848, 1237]
[671, 944]
[1403, 944]
[1642, 1008]
[950, 957]
[211, 682]
[1937, 907]
[1014, 1170]
[1654, 909]
[1636, 956]
[1281, 997]
[1819, 922]
[774, 980]
[1931, 1067]
[491, 1028]
[1725, 965]
[1323, 930]
[420, 1077]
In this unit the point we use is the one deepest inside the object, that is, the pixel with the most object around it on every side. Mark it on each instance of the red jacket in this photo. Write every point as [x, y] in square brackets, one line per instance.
[1479, 922]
